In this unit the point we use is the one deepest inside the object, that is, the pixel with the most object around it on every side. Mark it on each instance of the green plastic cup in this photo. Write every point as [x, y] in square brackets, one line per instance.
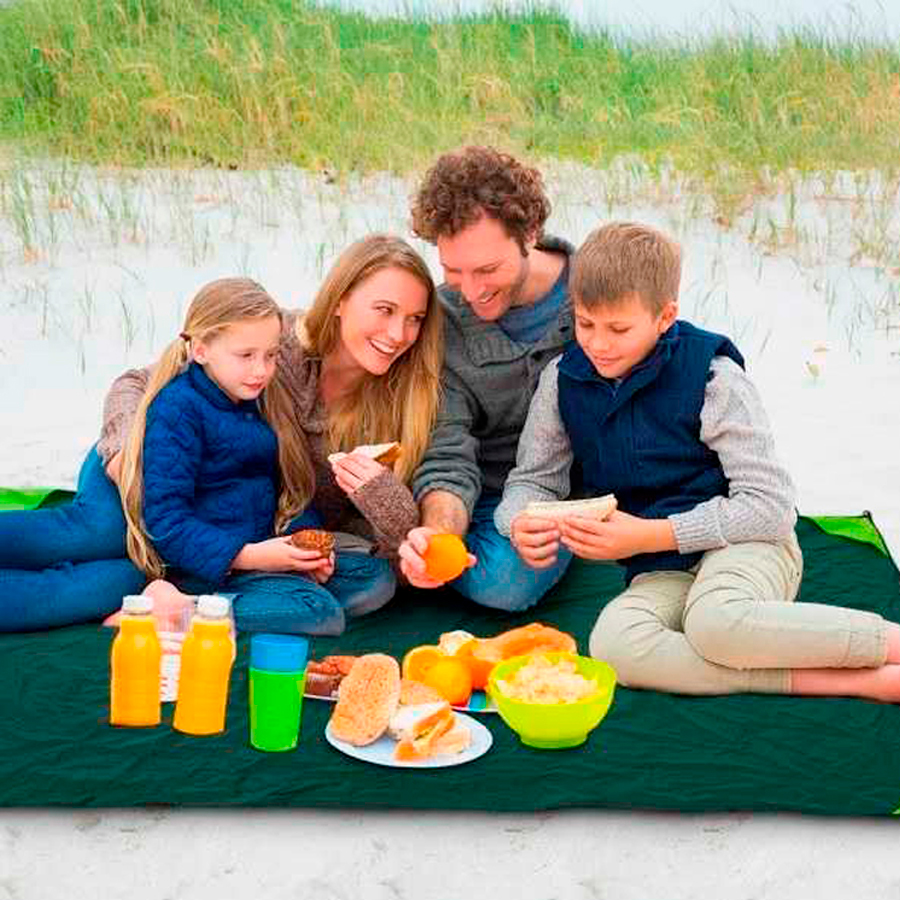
[277, 680]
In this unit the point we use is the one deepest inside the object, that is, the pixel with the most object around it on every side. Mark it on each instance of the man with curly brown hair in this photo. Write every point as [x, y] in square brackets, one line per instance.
[507, 313]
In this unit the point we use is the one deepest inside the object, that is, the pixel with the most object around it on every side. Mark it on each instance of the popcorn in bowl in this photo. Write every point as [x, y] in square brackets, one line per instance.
[542, 680]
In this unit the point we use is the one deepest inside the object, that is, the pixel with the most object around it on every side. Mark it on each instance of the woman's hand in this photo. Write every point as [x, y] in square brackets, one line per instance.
[354, 470]
[618, 537]
[536, 540]
[279, 554]
[114, 468]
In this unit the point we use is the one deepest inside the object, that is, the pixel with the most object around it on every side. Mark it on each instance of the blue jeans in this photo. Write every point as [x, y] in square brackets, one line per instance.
[501, 580]
[295, 604]
[67, 564]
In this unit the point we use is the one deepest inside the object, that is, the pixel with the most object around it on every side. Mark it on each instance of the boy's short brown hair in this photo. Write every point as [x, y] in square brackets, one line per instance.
[466, 184]
[626, 258]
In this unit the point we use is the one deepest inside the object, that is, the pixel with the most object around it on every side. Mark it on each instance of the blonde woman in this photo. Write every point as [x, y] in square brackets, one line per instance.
[362, 366]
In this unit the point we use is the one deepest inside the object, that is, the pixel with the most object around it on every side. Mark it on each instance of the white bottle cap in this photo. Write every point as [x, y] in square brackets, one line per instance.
[212, 606]
[137, 605]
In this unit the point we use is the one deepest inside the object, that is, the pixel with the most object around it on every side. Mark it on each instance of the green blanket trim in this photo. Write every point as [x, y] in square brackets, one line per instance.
[12, 500]
[857, 528]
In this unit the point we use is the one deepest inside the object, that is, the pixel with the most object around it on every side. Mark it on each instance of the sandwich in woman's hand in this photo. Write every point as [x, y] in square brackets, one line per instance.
[367, 698]
[386, 454]
[592, 508]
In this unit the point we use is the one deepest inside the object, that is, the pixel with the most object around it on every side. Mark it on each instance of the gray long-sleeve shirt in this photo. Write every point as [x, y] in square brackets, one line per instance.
[761, 496]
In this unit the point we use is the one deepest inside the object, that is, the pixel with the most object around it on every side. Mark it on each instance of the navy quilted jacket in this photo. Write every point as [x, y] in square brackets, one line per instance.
[210, 475]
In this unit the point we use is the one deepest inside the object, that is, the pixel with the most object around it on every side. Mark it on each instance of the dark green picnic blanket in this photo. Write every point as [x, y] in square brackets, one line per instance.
[653, 750]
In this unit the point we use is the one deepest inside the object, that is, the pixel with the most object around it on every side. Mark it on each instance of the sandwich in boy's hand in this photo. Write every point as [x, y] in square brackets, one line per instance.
[425, 730]
[386, 454]
[367, 698]
[592, 508]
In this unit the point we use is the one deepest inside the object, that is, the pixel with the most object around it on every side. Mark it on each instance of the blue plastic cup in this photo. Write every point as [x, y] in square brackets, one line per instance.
[277, 679]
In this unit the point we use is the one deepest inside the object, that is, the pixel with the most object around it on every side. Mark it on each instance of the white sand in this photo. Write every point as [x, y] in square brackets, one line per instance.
[95, 271]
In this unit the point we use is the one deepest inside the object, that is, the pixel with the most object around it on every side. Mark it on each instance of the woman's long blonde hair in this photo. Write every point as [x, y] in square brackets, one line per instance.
[400, 405]
[217, 305]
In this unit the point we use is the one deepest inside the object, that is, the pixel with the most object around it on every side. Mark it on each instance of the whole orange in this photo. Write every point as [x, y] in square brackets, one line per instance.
[446, 557]
[451, 678]
[419, 660]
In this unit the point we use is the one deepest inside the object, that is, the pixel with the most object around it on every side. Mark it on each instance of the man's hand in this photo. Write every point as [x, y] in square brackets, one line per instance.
[412, 562]
[536, 540]
[114, 468]
[354, 470]
[280, 555]
[618, 537]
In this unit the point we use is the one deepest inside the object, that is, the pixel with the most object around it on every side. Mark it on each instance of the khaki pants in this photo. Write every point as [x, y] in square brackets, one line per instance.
[729, 625]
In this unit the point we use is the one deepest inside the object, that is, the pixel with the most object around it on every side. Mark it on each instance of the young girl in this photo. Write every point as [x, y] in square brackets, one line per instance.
[362, 366]
[206, 481]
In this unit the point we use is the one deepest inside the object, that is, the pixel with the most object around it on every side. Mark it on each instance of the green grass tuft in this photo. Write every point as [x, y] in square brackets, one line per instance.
[235, 83]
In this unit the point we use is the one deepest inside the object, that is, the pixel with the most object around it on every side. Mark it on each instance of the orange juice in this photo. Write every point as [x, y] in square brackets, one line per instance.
[206, 660]
[134, 666]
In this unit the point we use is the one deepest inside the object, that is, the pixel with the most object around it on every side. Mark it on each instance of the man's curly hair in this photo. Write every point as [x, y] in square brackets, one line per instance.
[465, 184]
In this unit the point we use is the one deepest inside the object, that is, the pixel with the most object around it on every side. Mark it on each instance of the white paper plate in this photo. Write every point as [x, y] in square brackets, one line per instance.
[381, 752]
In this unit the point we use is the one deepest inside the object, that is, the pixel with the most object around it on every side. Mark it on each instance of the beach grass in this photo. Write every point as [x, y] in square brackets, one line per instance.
[253, 83]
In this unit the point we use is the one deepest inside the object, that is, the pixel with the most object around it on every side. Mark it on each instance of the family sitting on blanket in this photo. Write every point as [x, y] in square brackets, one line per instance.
[651, 408]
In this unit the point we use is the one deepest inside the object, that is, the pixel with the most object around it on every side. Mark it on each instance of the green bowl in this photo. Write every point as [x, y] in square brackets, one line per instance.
[553, 726]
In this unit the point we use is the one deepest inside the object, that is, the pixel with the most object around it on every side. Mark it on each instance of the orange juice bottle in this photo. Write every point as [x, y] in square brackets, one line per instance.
[134, 666]
[206, 660]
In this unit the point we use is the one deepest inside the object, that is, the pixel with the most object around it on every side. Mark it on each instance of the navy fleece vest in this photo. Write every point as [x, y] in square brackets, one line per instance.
[639, 438]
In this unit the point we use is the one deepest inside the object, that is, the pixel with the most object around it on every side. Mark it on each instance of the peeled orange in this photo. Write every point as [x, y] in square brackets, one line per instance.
[451, 679]
[419, 660]
[446, 557]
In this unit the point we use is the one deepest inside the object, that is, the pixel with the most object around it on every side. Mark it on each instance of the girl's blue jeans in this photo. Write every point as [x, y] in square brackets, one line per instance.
[501, 579]
[66, 564]
[295, 604]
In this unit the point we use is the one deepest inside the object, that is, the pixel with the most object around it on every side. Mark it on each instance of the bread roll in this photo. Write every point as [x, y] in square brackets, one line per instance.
[367, 698]
[314, 539]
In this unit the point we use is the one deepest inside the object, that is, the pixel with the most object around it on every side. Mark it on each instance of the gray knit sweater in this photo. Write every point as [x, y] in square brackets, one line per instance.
[488, 379]
[733, 423]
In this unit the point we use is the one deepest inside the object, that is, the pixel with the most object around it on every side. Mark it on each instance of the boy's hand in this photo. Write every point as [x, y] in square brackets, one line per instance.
[280, 555]
[536, 540]
[354, 470]
[618, 537]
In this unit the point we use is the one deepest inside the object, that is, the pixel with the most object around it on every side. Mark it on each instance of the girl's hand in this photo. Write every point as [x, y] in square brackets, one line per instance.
[278, 554]
[618, 537]
[536, 540]
[325, 569]
[354, 470]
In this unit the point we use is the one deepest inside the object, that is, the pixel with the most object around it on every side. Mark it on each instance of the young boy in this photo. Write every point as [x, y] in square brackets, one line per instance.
[661, 414]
